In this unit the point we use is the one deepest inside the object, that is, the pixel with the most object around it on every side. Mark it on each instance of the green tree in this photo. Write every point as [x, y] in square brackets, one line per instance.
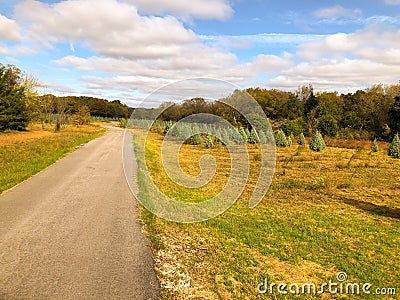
[82, 115]
[394, 116]
[253, 137]
[374, 146]
[394, 149]
[208, 142]
[195, 139]
[13, 111]
[317, 143]
[302, 140]
[242, 132]
[280, 139]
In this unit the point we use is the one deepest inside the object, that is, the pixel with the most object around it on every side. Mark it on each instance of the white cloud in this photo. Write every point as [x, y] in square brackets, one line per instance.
[337, 11]
[111, 28]
[392, 2]
[9, 30]
[184, 9]
[363, 58]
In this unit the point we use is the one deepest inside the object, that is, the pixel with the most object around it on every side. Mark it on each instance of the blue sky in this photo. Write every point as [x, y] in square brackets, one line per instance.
[124, 49]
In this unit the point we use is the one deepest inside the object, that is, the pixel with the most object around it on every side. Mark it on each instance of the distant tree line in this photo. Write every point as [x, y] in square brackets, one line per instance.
[365, 114]
[20, 104]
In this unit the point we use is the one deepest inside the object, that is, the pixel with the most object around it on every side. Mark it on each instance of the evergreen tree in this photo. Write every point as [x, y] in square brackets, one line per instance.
[317, 143]
[208, 142]
[289, 141]
[280, 139]
[375, 147]
[302, 140]
[195, 139]
[225, 138]
[394, 149]
[247, 133]
[262, 137]
[242, 132]
[253, 137]
[167, 128]
[291, 137]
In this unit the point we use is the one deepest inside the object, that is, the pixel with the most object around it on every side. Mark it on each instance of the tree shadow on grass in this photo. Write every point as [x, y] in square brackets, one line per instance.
[373, 208]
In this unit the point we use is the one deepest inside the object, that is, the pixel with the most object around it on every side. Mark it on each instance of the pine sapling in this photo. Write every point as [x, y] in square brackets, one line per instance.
[375, 147]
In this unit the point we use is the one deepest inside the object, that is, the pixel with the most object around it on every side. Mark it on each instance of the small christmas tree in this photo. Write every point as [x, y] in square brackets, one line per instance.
[262, 137]
[242, 132]
[208, 142]
[302, 140]
[166, 129]
[375, 147]
[280, 139]
[247, 132]
[291, 136]
[195, 139]
[394, 149]
[317, 143]
[253, 137]
[289, 141]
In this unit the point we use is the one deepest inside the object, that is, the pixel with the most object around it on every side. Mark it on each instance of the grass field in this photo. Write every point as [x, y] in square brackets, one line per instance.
[329, 212]
[23, 154]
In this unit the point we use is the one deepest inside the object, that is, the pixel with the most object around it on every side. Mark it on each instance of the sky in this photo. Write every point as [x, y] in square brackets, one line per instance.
[125, 49]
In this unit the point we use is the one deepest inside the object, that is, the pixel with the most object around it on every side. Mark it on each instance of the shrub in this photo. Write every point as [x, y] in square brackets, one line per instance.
[394, 149]
[375, 147]
[253, 137]
[317, 143]
[280, 139]
[208, 142]
[302, 140]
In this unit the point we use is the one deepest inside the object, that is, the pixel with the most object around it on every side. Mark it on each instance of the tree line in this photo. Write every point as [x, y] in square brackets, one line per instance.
[365, 114]
[20, 104]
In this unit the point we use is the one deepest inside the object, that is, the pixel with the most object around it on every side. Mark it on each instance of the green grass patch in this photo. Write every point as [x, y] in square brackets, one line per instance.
[23, 155]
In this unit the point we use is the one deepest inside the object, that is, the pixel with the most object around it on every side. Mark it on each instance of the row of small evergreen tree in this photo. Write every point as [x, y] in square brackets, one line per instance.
[394, 148]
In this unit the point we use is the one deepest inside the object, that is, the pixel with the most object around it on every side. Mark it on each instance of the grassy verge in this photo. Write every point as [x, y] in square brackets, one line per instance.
[329, 212]
[23, 154]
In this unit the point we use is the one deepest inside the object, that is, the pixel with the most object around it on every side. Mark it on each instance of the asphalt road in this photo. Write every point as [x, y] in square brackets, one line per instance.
[72, 231]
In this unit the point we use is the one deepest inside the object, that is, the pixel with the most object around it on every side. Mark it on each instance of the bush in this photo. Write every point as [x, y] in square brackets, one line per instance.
[280, 139]
[394, 149]
[208, 142]
[302, 140]
[317, 143]
[253, 137]
[375, 147]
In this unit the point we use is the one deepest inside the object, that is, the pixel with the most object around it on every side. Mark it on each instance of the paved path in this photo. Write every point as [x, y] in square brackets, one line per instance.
[72, 232]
